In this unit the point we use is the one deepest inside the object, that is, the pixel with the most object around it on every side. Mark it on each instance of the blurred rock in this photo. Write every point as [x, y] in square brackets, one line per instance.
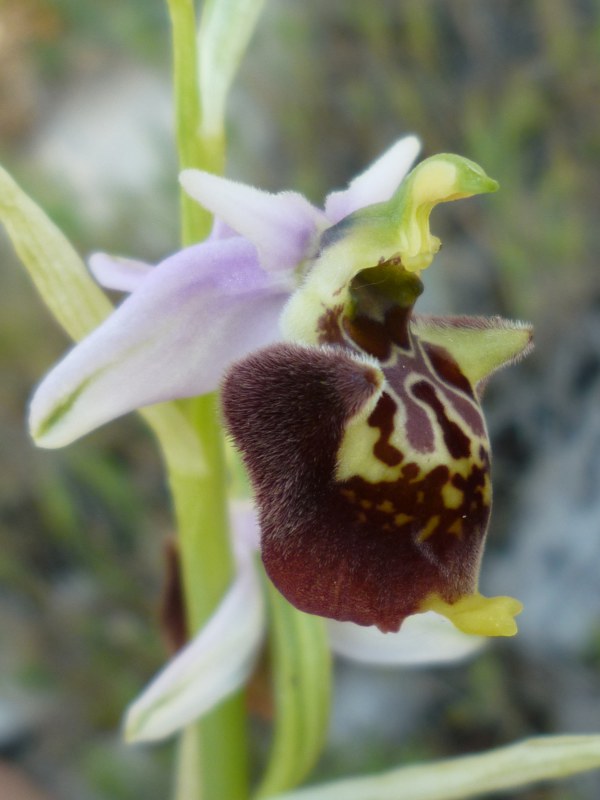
[552, 561]
[104, 134]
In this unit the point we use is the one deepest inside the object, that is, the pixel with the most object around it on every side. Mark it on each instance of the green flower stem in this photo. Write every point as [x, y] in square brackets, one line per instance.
[218, 761]
[193, 149]
[301, 665]
[212, 761]
[202, 512]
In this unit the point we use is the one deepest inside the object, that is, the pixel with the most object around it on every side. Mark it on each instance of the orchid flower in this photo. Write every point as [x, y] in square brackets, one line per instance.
[363, 433]
[188, 318]
[359, 422]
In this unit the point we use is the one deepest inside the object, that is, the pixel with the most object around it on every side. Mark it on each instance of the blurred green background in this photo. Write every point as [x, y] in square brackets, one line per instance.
[85, 126]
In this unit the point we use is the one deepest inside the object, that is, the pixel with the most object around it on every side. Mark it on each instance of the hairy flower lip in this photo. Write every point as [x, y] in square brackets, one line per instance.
[362, 520]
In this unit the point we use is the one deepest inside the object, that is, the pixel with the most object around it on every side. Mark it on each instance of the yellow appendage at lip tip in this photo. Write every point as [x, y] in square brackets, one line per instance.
[478, 615]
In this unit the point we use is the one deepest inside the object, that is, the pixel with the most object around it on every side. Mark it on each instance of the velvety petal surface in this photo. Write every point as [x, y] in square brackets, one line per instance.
[116, 272]
[377, 183]
[427, 638]
[284, 227]
[212, 666]
[193, 314]
[361, 520]
[423, 639]
[347, 549]
[480, 345]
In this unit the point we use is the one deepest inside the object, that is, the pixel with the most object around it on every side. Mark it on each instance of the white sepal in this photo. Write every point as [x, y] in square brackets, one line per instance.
[423, 639]
[212, 666]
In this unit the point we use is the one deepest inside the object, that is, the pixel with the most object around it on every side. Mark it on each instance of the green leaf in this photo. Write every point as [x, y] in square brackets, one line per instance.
[521, 764]
[225, 30]
[480, 345]
[59, 274]
[301, 663]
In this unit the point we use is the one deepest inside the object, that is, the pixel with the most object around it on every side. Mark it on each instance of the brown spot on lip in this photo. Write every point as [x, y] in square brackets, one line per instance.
[382, 417]
[446, 368]
[457, 442]
[328, 326]
[410, 471]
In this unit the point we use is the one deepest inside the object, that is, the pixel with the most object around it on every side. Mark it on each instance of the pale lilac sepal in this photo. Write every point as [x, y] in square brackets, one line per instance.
[193, 315]
[423, 639]
[116, 272]
[212, 666]
[220, 230]
[377, 183]
[284, 227]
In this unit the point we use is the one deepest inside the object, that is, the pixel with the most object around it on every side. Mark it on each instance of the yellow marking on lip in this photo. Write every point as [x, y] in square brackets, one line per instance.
[456, 528]
[387, 507]
[356, 458]
[476, 614]
[429, 528]
[402, 519]
[485, 491]
[452, 496]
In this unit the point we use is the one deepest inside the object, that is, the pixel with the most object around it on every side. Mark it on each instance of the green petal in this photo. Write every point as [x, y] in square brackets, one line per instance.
[480, 345]
[517, 765]
[302, 682]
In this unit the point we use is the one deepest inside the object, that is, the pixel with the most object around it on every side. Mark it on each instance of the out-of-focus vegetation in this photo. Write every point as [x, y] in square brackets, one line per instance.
[84, 125]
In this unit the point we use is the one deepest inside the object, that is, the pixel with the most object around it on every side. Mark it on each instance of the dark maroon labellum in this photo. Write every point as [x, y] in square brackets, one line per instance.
[358, 547]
